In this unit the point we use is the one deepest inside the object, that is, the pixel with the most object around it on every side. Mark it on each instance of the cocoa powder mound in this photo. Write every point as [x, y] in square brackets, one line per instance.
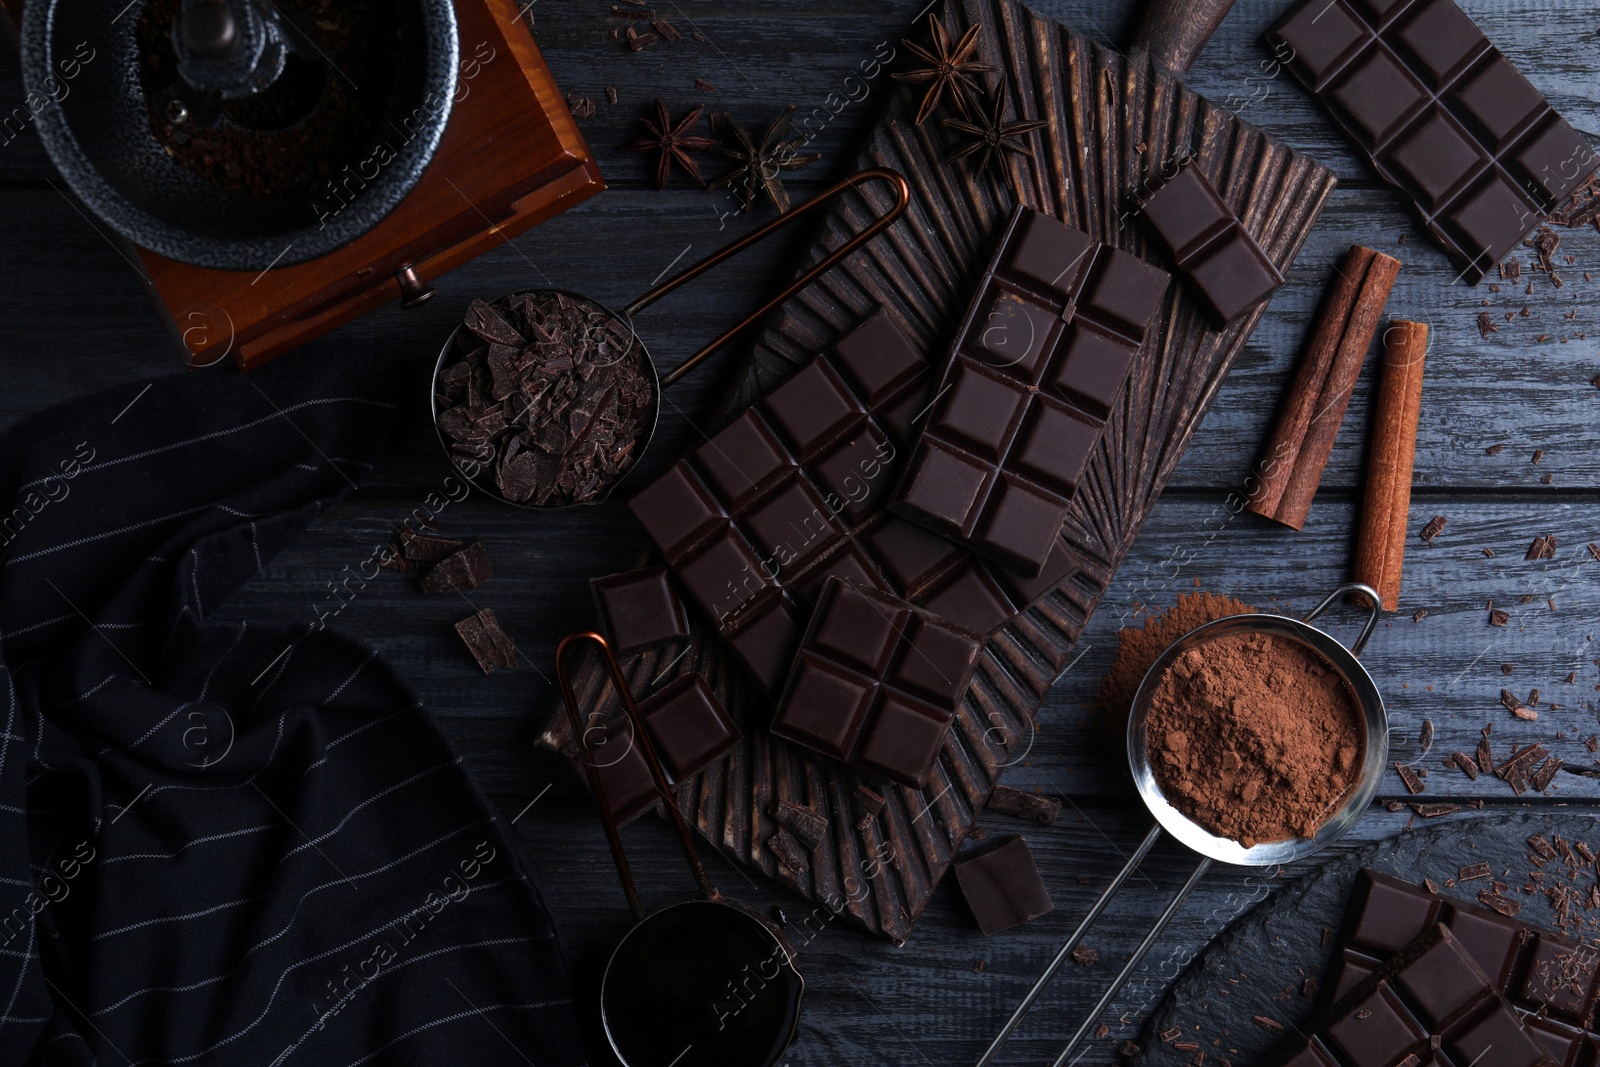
[1139, 648]
[1255, 737]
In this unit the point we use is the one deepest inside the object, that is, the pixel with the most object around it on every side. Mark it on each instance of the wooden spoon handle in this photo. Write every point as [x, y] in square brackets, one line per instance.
[1172, 32]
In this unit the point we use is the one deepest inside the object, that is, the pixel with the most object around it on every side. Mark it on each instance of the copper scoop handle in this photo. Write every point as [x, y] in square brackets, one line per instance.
[902, 198]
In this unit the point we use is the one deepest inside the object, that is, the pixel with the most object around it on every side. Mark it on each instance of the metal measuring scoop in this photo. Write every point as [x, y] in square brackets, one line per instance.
[1197, 838]
[703, 981]
[901, 193]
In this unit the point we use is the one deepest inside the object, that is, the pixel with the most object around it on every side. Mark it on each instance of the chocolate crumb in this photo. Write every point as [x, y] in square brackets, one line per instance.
[1084, 956]
[1103, 1030]
[1432, 528]
[704, 86]
[1271, 1025]
[1419, 614]
[1425, 738]
[1488, 553]
[1467, 765]
[1495, 450]
[1170, 1034]
[1538, 454]
[1310, 988]
[978, 966]
[1498, 617]
[611, 94]
[1128, 1048]
[1486, 324]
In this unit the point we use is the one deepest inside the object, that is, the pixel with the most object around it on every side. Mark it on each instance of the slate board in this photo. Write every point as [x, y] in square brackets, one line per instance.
[1110, 121]
[1263, 959]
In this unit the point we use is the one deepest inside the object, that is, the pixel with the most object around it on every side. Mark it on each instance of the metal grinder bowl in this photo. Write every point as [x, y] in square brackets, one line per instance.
[81, 57]
[1358, 683]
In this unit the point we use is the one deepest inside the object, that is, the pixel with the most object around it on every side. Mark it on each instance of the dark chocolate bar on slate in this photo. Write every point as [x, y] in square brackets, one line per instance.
[1442, 115]
[1002, 884]
[640, 608]
[876, 682]
[1220, 264]
[1550, 979]
[1430, 1004]
[792, 492]
[1038, 362]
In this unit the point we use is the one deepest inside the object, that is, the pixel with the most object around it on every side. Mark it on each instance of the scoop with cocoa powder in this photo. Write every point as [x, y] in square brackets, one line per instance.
[1255, 737]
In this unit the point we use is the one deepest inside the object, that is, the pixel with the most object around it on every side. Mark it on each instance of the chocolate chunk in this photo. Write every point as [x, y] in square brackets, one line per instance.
[466, 569]
[809, 827]
[1472, 871]
[1221, 265]
[1031, 806]
[1084, 956]
[1409, 776]
[640, 609]
[488, 644]
[420, 547]
[1475, 150]
[1467, 764]
[1429, 994]
[876, 683]
[783, 845]
[1432, 528]
[1039, 362]
[1543, 547]
[487, 323]
[688, 726]
[1498, 617]
[1002, 884]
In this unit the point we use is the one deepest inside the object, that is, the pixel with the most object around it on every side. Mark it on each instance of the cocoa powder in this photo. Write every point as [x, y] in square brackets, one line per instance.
[1255, 737]
[1139, 648]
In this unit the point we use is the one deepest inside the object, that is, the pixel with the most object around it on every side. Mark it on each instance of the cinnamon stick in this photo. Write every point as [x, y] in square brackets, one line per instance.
[1386, 505]
[1301, 442]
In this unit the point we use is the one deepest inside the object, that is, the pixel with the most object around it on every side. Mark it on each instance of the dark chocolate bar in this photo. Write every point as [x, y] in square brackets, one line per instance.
[1550, 979]
[1429, 1004]
[793, 491]
[1221, 266]
[1002, 884]
[876, 682]
[640, 608]
[1038, 363]
[1442, 116]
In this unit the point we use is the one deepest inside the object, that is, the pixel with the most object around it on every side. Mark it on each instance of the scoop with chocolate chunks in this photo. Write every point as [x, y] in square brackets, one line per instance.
[546, 398]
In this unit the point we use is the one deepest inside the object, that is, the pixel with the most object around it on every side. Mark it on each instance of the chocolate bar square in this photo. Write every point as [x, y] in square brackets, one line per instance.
[1477, 152]
[1048, 342]
[688, 725]
[639, 609]
[876, 682]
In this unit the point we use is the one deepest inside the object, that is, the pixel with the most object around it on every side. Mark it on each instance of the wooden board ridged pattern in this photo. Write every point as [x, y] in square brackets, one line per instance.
[1112, 120]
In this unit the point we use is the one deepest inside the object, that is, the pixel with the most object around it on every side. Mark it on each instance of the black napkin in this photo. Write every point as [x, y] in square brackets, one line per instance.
[232, 843]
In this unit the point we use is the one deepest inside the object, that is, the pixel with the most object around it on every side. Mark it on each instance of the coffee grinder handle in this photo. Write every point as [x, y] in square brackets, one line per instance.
[1372, 599]
[901, 192]
[641, 736]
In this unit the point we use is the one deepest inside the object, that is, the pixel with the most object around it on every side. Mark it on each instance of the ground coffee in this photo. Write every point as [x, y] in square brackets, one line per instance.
[1255, 737]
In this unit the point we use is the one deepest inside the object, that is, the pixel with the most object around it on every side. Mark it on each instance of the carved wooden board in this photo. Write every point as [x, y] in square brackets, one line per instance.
[1112, 123]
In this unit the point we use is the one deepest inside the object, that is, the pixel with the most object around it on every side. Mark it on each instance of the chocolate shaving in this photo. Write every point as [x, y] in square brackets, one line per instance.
[1409, 776]
[1432, 811]
[1545, 774]
[1433, 528]
[1508, 908]
[1023, 805]
[1473, 871]
[1268, 1024]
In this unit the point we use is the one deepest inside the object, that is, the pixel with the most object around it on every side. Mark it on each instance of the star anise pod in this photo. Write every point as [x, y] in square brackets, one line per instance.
[672, 143]
[949, 71]
[762, 163]
[989, 137]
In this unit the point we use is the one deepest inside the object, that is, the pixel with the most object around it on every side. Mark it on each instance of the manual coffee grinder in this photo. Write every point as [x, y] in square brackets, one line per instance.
[277, 168]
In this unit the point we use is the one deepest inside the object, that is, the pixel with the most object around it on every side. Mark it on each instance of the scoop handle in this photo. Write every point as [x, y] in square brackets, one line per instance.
[1172, 32]
[1364, 593]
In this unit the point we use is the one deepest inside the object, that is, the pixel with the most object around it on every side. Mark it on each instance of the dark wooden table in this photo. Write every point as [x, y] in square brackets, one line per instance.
[75, 319]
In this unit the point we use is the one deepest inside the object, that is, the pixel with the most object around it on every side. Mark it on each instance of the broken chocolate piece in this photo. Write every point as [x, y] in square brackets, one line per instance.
[488, 643]
[808, 826]
[1031, 806]
[467, 569]
[1002, 884]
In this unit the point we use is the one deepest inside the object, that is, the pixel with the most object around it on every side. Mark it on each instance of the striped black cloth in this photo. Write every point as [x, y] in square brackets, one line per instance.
[233, 843]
